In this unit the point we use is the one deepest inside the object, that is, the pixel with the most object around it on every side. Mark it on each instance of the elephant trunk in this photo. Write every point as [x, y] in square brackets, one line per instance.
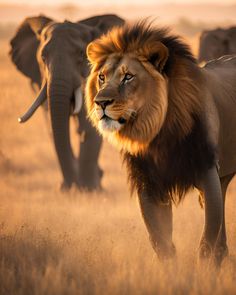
[59, 105]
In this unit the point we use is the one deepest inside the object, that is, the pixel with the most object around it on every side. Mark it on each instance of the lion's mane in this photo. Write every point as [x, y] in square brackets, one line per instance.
[180, 152]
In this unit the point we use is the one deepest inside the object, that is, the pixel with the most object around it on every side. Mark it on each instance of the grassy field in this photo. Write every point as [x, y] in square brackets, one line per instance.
[54, 243]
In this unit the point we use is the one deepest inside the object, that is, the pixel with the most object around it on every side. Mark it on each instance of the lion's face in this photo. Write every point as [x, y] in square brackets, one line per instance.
[127, 101]
[120, 92]
[138, 75]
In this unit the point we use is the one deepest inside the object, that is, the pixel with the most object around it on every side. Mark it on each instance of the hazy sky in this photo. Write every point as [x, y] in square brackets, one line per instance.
[107, 2]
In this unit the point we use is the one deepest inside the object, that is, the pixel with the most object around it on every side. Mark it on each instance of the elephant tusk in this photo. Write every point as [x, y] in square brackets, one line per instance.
[38, 101]
[78, 101]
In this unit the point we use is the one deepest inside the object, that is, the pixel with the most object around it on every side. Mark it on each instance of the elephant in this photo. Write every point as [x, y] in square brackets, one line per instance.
[53, 56]
[216, 43]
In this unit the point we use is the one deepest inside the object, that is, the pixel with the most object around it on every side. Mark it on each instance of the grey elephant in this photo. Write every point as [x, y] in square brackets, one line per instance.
[53, 56]
[216, 43]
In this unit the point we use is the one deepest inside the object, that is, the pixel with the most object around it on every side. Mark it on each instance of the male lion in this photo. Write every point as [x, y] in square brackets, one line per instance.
[174, 123]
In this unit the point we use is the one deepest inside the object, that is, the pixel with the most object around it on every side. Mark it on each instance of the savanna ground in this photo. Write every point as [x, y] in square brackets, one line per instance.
[81, 243]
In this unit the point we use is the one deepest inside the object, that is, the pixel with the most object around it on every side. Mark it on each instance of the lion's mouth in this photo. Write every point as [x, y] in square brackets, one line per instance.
[105, 117]
[121, 120]
[106, 123]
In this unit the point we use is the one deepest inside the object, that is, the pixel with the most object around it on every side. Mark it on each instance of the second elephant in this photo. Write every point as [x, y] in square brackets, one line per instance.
[216, 43]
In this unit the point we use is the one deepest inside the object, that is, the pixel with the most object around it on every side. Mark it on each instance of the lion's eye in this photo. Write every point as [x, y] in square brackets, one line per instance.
[101, 78]
[128, 77]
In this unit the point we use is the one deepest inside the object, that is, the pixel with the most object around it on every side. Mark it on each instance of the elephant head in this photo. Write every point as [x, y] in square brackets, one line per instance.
[53, 55]
[215, 43]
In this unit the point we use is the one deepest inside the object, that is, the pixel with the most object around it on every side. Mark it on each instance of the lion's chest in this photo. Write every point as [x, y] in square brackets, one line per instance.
[172, 168]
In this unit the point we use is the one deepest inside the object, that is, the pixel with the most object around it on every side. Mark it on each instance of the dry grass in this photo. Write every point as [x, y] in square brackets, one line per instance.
[53, 243]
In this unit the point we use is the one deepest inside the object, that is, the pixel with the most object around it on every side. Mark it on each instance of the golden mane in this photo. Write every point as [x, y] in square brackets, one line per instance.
[178, 94]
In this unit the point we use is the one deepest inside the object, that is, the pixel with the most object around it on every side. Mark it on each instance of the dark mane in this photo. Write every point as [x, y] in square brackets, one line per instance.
[180, 152]
[173, 164]
[171, 167]
[129, 38]
[143, 32]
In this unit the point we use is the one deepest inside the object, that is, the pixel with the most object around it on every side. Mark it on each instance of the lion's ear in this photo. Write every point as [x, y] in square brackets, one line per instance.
[157, 54]
[90, 52]
[94, 52]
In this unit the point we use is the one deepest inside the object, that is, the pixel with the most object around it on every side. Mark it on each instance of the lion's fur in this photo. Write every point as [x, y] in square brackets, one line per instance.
[166, 146]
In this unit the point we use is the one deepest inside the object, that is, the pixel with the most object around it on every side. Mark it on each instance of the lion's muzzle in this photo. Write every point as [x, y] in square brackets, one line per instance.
[103, 102]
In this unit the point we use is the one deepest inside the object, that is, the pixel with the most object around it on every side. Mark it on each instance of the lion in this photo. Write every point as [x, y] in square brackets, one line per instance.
[173, 122]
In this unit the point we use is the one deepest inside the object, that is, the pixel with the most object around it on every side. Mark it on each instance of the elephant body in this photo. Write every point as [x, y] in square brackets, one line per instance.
[220, 117]
[220, 74]
[216, 43]
[53, 56]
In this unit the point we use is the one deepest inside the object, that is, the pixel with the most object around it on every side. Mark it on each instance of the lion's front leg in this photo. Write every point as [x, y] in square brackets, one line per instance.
[158, 220]
[211, 188]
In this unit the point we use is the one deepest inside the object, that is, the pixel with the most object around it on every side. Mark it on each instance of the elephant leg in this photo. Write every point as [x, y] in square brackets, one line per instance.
[89, 172]
[211, 188]
[159, 222]
[222, 249]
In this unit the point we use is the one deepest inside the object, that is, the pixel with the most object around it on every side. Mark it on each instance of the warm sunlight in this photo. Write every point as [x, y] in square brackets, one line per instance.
[68, 223]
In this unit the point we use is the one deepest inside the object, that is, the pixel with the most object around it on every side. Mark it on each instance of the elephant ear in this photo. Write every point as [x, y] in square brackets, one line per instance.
[24, 47]
[103, 23]
[106, 22]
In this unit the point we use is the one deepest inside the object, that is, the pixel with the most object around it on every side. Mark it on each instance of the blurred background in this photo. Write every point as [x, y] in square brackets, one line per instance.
[187, 17]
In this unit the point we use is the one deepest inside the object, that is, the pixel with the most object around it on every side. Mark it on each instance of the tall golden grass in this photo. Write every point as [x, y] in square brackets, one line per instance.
[80, 243]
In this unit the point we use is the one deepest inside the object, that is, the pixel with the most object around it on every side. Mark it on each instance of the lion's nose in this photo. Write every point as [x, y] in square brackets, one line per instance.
[103, 103]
